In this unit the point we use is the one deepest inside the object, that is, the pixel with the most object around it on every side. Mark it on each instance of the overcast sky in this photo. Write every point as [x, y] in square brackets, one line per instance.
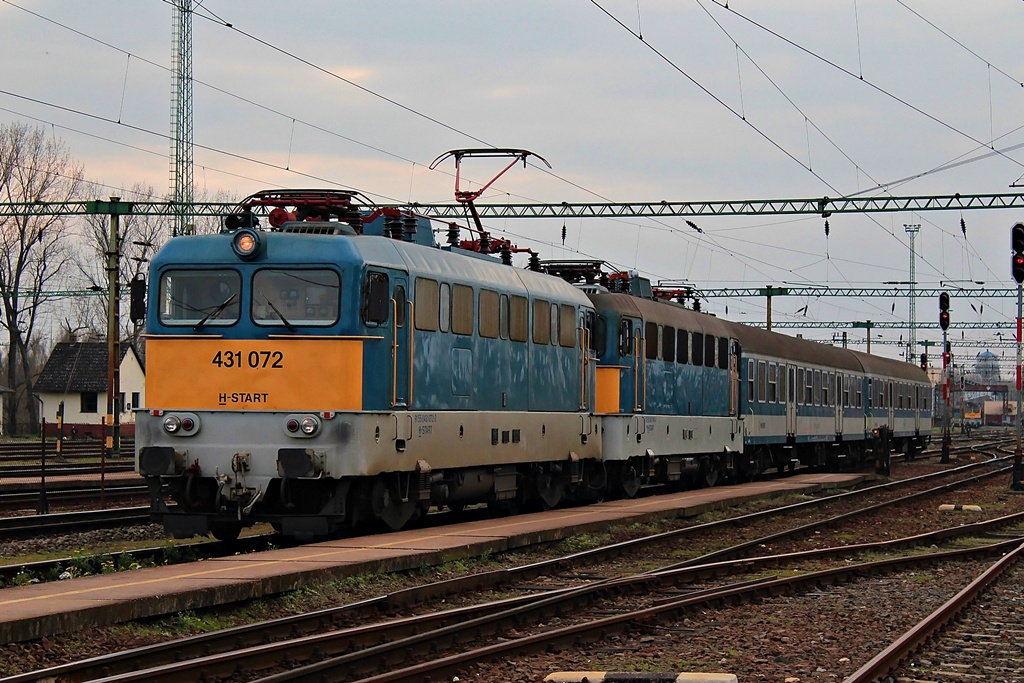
[763, 100]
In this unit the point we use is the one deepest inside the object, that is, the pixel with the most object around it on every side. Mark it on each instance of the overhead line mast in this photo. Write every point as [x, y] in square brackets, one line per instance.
[181, 117]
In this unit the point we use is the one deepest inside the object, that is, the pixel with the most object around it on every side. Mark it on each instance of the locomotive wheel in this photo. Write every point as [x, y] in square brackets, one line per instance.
[226, 531]
[708, 473]
[548, 489]
[389, 507]
[628, 479]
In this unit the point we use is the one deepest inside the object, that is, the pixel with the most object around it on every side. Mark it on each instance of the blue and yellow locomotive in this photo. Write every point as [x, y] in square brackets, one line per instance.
[335, 368]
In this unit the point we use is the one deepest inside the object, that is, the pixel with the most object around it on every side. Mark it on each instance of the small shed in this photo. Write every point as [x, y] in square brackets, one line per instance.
[76, 373]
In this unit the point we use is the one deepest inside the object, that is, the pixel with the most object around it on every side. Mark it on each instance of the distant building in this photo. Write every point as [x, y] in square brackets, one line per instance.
[76, 373]
[986, 365]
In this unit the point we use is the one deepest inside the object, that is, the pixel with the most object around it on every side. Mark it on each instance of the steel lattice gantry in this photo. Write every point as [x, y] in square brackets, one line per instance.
[858, 292]
[817, 206]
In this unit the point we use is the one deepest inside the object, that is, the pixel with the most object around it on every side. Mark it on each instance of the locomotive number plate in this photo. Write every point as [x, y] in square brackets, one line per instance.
[232, 374]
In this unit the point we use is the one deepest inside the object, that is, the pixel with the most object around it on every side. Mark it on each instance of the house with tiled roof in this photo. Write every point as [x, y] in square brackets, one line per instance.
[76, 374]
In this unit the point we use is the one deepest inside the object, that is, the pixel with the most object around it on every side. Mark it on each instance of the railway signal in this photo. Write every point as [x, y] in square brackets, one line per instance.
[944, 308]
[924, 362]
[1017, 243]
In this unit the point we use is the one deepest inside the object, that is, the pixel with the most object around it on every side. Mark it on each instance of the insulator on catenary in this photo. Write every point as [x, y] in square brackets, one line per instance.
[409, 227]
[826, 228]
[393, 227]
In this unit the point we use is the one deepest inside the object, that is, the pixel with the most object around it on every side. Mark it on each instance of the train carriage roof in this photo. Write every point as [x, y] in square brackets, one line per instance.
[890, 367]
[466, 268]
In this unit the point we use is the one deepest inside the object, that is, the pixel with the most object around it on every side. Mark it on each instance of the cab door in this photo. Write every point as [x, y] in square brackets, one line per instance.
[630, 341]
[401, 342]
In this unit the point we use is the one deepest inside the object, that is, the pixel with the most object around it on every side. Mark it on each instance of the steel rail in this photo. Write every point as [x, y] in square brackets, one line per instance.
[35, 525]
[379, 657]
[291, 627]
[890, 658]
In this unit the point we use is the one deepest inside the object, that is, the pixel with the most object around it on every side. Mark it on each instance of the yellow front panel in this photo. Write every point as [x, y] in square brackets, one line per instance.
[607, 390]
[250, 374]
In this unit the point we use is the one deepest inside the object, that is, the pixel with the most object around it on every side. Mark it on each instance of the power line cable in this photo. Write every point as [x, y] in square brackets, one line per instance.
[877, 88]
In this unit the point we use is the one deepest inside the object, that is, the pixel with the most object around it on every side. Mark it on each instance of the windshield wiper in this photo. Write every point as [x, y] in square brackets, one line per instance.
[214, 313]
[291, 328]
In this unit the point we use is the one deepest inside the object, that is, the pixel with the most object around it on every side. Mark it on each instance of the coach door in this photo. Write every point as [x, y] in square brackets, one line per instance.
[401, 343]
[791, 389]
[836, 393]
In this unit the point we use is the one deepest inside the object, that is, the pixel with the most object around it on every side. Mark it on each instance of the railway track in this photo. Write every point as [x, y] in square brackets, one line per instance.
[28, 500]
[976, 635]
[302, 643]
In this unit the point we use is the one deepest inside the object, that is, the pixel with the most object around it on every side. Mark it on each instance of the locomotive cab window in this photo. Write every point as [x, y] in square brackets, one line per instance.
[651, 334]
[625, 337]
[668, 344]
[375, 298]
[426, 304]
[194, 297]
[489, 314]
[566, 326]
[289, 297]
[541, 322]
[399, 305]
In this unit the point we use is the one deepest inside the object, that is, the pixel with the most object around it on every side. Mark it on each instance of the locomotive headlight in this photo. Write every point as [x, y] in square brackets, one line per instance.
[172, 424]
[246, 243]
[309, 425]
[302, 425]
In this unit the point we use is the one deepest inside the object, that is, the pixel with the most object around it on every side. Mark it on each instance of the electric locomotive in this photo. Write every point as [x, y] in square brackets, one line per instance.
[341, 369]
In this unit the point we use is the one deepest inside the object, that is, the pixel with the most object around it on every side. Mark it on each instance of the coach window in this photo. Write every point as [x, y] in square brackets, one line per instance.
[683, 347]
[651, 332]
[826, 389]
[760, 381]
[698, 349]
[462, 309]
[375, 298]
[799, 388]
[709, 350]
[782, 382]
[553, 312]
[444, 307]
[809, 387]
[310, 297]
[503, 316]
[566, 326]
[399, 306]
[773, 383]
[488, 314]
[751, 381]
[541, 322]
[668, 344]
[427, 304]
[519, 319]
[191, 297]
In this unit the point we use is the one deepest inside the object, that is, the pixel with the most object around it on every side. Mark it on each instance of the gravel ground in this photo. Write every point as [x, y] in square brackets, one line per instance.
[819, 637]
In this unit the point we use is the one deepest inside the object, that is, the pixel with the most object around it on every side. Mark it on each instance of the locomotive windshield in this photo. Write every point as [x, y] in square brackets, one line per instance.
[292, 297]
[200, 297]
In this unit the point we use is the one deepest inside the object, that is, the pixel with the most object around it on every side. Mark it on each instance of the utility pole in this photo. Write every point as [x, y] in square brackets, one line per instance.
[912, 231]
[947, 358]
[115, 208]
[868, 325]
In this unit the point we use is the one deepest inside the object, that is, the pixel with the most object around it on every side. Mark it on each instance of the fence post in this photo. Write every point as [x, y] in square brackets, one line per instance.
[44, 505]
[103, 463]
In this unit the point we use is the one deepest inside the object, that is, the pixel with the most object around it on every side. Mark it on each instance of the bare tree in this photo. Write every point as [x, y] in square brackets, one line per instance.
[34, 251]
[139, 238]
